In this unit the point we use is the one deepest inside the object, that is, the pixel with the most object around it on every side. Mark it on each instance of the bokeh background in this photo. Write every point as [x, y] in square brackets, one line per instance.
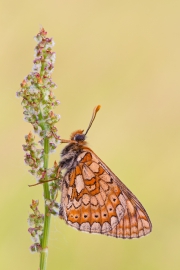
[124, 55]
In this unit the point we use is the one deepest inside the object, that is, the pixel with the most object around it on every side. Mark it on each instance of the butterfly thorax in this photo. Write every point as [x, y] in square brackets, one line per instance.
[70, 153]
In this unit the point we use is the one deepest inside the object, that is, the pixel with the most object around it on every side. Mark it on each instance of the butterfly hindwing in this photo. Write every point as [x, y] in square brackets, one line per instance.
[94, 200]
[91, 201]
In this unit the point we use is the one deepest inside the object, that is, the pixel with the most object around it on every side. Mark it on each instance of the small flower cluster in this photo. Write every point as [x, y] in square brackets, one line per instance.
[34, 157]
[37, 92]
[53, 207]
[36, 219]
[38, 102]
[54, 185]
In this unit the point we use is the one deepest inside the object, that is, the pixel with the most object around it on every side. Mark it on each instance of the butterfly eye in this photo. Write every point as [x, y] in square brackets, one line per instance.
[79, 137]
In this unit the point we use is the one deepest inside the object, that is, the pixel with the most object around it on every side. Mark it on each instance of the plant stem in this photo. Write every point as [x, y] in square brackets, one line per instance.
[47, 216]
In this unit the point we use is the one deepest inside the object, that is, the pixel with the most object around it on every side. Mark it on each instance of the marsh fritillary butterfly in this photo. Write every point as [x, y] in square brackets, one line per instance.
[93, 198]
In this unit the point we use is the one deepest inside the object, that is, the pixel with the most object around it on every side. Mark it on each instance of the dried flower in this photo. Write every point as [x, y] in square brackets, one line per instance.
[36, 88]
[35, 220]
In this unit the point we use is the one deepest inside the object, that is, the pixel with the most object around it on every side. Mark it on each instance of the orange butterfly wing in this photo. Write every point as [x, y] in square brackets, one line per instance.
[136, 222]
[94, 200]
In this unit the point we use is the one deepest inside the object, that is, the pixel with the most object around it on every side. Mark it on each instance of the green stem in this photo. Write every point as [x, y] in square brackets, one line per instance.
[47, 216]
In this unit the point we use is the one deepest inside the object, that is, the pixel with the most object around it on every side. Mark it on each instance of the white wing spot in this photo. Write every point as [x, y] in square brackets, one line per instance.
[81, 156]
[103, 185]
[79, 183]
[70, 191]
[94, 158]
[94, 200]
[145, 223]
[87, 173]
[130, 207]
[103, 194]
[75, 224]
[69, 205]
[122, 201]
[141, 233]
[76, 203]
[85, 199]
[100, 200]
[120, 212]
[105, 177]
[96, 227]
[114, 221]
[85, 227]
[106, 227]
[94, 167]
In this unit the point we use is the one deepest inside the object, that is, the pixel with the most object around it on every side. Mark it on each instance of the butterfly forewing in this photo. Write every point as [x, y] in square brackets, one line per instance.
[94, 200]
[134, 224]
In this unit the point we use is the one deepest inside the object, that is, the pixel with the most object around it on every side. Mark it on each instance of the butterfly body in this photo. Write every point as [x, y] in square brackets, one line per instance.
[70, 153]
[93, 199]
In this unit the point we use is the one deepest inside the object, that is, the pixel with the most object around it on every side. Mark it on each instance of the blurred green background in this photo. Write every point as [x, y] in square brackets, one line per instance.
[124, 55]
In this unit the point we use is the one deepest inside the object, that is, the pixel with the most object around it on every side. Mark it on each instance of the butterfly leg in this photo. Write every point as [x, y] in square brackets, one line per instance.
[42, 181]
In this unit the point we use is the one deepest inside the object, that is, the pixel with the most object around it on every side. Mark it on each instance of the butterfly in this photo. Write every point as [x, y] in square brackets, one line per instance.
[93, 198]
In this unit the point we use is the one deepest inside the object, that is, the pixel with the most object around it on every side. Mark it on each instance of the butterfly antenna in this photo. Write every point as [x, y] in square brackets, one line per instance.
[96, 109]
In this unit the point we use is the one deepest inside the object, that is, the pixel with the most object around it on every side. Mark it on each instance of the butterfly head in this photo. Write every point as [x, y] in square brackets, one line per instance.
[78, 136]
